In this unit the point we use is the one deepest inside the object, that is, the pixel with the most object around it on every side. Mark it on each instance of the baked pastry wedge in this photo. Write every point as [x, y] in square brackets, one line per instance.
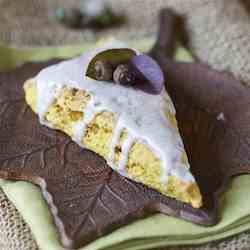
[134, 130]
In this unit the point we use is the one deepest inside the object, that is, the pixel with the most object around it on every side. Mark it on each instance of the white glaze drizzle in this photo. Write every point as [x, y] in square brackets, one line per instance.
[126, 146]
[115, 140]
[90, 111]
[142, 114]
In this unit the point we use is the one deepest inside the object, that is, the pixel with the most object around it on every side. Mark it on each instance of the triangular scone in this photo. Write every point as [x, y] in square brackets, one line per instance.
[134, 131]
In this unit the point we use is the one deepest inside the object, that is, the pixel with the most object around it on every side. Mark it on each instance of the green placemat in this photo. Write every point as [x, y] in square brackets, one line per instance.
[155, 231]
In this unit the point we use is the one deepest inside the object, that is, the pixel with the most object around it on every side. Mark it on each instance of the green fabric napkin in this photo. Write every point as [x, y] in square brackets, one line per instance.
[155, 231]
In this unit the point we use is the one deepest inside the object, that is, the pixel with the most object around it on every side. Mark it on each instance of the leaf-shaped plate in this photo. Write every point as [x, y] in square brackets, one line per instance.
[86, 198]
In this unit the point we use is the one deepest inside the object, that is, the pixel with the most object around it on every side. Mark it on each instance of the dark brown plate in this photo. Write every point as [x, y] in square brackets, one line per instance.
[86, 198]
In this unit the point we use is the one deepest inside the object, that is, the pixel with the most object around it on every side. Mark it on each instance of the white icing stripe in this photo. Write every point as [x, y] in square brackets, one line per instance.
[181, 172]
[165, 172]
[140, 113]
[115, 140]
[79, 131]
[47, 93]
[90, 111]
[126, 146]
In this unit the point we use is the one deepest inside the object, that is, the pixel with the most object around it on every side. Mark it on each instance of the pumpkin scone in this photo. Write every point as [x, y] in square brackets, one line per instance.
[112, 100]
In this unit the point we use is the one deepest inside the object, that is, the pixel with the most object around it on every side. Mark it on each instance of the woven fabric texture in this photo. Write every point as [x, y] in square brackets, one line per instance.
[14, 233]
[219, 34]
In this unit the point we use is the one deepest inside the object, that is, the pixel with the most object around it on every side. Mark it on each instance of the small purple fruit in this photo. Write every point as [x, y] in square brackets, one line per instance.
[149, 76]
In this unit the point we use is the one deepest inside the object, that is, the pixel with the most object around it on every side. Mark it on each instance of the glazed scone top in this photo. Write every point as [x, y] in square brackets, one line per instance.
[143, 115]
